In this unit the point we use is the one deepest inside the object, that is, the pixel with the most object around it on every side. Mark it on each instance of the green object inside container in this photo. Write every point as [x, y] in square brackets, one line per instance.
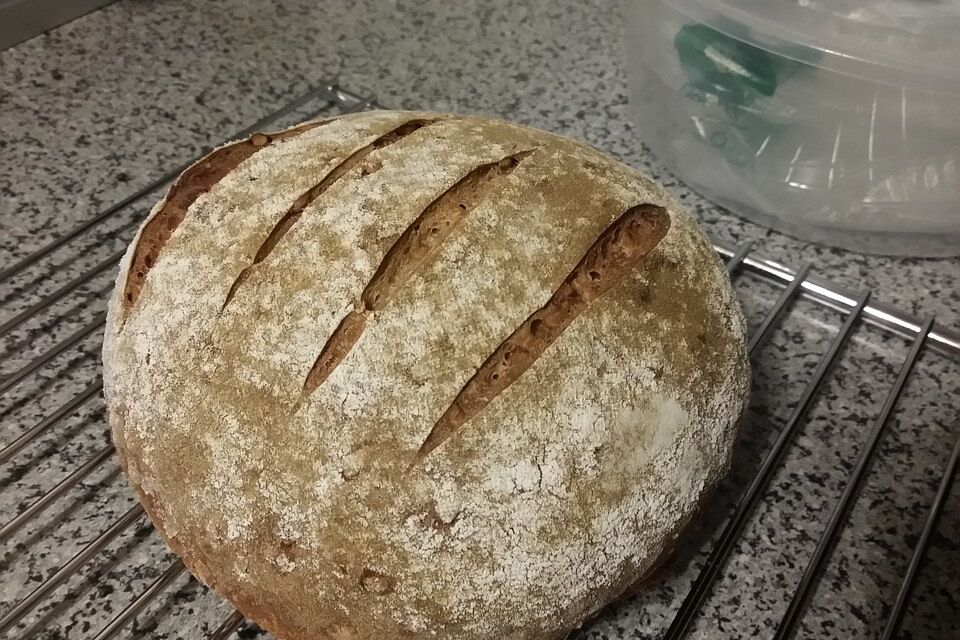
[734, 71]
[739, 80]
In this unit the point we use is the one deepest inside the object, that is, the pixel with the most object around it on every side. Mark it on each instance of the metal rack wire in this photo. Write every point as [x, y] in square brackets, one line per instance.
[856, 309]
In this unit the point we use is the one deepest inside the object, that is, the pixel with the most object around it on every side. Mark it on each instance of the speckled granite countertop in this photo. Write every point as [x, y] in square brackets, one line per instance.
[95, 109]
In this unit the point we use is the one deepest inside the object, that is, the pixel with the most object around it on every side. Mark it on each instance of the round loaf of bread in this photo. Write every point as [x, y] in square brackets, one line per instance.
[422, 376]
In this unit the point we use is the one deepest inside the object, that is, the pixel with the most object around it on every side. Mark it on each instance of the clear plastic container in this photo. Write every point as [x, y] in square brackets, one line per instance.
[833, 121]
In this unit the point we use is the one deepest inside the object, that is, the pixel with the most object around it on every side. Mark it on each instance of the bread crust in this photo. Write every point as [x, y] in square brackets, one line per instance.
[296, 496]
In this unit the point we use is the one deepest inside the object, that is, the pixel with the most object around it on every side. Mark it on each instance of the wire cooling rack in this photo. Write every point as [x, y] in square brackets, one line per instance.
[61, 580]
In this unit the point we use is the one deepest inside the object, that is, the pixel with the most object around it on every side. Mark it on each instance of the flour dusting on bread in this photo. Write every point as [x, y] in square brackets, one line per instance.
[549, 501]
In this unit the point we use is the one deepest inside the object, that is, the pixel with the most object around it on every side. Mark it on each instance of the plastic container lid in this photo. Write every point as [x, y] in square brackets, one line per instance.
[913, 43]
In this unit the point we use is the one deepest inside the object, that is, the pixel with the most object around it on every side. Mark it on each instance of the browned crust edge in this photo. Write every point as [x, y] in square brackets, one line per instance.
[618, 248]
[195, 180]
[418, 243]
[295, 211]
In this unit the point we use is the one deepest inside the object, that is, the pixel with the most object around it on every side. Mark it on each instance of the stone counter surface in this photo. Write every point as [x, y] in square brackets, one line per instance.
[92, 111]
